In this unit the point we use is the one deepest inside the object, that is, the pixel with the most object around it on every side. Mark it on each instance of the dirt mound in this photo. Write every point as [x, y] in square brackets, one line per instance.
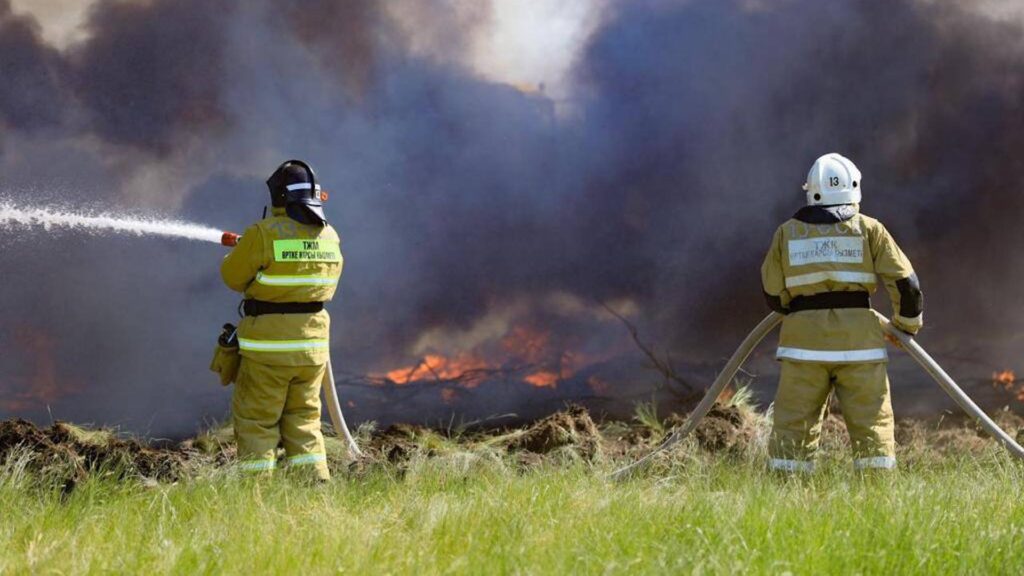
[957, 436]
[68, 454]
[725, 428]
[572, 427]
[399, 442]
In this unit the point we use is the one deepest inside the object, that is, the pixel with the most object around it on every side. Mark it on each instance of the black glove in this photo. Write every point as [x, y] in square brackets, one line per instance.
[228, 336]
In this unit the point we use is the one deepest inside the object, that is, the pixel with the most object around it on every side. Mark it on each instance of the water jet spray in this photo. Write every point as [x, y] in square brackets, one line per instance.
[14, 217]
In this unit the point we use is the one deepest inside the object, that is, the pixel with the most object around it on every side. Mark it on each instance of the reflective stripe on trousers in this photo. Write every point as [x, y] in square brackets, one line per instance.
[306, 459]
[281, 345]
[791, 465]
[257, 465]
[876, 462]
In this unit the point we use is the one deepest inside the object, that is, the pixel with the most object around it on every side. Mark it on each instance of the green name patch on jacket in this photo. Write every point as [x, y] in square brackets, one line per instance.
[307, 251]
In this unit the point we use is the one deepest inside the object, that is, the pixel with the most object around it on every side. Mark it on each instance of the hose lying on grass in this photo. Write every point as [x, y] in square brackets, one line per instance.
[762, 330]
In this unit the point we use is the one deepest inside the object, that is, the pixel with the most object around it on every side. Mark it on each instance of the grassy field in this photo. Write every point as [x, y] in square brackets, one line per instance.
[473, 508]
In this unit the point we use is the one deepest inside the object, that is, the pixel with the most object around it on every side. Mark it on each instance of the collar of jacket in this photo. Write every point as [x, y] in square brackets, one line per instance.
[826, 214]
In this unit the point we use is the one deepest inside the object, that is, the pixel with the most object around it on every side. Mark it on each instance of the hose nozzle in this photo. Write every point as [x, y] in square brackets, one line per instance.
[229, 239]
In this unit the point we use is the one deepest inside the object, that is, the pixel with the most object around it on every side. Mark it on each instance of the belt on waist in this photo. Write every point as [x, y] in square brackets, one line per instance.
[259, 307]
[830, 300]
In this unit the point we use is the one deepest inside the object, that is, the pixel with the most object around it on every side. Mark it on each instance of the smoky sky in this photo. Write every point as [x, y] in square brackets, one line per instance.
[32, 72]
[151, 74]
[691, 130]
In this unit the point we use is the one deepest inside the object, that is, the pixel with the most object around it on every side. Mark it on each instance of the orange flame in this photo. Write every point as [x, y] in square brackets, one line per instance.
[527, 345]
[1006, 379]
[548, 362]
[438, 367]
[568, 364]
[543, 379]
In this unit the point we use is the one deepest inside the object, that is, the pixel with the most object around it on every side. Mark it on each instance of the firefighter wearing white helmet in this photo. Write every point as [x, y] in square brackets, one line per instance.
[822, 267]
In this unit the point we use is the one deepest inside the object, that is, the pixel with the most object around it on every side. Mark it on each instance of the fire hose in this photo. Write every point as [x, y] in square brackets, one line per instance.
[948, 385]
[330, 391]
[334, 409]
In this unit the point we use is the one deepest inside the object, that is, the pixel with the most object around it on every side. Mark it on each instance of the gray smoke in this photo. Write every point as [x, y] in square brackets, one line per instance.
[457, 197]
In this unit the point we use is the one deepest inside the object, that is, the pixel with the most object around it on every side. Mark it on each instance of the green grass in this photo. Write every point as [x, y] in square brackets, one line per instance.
[471, 513]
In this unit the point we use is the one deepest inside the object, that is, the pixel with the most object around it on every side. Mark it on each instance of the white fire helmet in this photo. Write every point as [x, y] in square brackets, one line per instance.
[833, 179]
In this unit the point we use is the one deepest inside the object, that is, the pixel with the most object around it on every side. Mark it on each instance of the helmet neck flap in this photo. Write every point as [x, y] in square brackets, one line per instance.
[293, 187]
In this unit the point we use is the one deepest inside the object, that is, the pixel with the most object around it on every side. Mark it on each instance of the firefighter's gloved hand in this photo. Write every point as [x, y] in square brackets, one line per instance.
[908, 330]
[226, 358]
[228, 336]
[908, 325]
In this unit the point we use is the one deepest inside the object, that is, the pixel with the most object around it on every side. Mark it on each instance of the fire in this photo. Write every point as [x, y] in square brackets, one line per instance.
[520, 347]
[439, 368]
[1006, 379]
[537, 357]
[568, 364]
[526, 345]
[543, 379]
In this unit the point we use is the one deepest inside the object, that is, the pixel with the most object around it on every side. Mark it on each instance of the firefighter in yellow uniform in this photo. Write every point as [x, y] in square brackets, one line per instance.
[822, 266]
[286, 266]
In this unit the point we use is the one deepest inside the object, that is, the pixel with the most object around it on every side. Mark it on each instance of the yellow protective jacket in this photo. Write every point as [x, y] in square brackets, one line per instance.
[837, 249]
[281, 260]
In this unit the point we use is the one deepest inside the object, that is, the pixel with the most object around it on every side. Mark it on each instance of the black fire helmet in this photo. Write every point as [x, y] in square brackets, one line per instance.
[293, 186]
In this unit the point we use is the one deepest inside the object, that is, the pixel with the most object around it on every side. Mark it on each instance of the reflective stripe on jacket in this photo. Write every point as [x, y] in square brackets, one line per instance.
[281, 260]
[837, 249]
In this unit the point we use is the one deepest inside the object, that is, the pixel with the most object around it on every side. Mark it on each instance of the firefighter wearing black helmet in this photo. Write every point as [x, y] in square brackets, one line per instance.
[287, 266]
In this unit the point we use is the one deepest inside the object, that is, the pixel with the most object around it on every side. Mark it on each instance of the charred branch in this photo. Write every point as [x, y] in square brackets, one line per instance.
[672, 380]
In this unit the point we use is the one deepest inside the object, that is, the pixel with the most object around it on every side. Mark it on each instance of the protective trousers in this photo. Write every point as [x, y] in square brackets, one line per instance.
[279, 404]
[863, 393]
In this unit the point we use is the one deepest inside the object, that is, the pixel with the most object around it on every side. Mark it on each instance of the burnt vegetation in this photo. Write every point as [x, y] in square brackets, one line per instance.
[62, 456]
